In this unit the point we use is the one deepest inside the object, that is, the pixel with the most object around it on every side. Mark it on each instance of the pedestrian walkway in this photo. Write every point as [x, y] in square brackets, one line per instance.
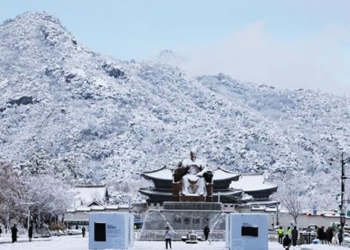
[6, 238]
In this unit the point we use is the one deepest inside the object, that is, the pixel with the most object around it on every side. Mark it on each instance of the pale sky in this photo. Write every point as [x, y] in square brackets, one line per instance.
[282, 43]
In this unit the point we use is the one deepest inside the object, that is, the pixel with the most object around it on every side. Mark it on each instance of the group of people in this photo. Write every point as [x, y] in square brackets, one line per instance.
[325, 236]
[168, 235]
[287, 237]
[290, 236]
[14, 232]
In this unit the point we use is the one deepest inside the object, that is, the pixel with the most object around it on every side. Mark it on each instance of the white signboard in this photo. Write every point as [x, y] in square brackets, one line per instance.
[247, 231]
[111, 230]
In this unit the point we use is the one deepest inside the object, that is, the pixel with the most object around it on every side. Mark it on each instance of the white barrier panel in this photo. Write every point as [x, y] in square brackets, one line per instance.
[227, 230]
[247, 231]
[111, 230]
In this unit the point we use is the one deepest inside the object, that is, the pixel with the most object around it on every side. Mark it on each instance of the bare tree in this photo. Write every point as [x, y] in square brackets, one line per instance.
[292, 200]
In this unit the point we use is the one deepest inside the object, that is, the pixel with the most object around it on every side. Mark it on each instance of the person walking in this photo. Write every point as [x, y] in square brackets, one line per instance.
[294, 236]
[330, 235]
[286, 242]
[167, 236]
[30, 233]
[83, 231]
[280, 234]
[206, 232]
[289, 231]
[14, 231]
[321, 234]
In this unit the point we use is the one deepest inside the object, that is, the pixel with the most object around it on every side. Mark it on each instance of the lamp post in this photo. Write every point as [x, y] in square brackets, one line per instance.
[28, 203]
[277, 219]
[7, 218]
[342, 212]
[342, 191]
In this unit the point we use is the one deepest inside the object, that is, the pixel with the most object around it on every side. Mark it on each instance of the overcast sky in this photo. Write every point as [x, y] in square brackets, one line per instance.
[287, 44]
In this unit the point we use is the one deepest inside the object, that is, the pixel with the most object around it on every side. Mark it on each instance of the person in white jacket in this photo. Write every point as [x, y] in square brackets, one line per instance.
[168, 235]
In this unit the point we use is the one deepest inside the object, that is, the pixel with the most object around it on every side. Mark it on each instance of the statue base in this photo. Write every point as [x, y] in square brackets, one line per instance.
[199, 206]
[192, 198]
[181, 217]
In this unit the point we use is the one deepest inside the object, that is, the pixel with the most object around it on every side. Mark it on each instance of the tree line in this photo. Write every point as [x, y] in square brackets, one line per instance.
[43, 196]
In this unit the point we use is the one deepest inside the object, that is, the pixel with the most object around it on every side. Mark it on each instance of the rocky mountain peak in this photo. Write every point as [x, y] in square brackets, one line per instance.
[170, 57]
[34, 18]
[35, 28]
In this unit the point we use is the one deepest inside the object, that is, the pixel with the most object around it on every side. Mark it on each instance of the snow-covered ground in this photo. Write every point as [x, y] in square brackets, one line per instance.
[80, 243]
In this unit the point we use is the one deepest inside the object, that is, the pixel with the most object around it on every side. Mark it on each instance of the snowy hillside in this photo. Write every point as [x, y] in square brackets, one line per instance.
[82, 116]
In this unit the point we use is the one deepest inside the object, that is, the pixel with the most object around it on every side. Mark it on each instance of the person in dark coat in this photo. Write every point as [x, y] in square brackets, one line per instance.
[321, 234]
[206, 232]
[14, 233]
[83, 231]
[329, 233]
[286, 242]
[294, 236]
[30, 233]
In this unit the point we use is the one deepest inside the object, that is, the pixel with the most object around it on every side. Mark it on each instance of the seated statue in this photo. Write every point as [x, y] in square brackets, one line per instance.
[193, 182]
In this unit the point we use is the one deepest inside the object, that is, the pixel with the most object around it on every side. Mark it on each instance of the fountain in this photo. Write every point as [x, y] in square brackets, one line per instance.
[181, 217]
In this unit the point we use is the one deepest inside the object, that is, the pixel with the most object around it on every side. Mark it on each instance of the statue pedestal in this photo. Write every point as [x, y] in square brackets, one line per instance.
[192, 198]
[199, 206]
[181, 217]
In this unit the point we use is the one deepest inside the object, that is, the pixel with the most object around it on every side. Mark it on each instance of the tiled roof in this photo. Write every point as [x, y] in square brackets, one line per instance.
[252, 182]
[152, 191]
[85, 195]
[165, 173]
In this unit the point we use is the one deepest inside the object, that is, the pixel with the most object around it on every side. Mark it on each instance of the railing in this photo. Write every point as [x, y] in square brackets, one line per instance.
[158, 235]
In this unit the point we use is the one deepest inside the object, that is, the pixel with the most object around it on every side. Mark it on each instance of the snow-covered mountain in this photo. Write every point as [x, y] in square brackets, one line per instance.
[82, 116]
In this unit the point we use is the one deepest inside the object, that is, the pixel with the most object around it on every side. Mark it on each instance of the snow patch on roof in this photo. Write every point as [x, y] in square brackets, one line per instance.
[166, 174]
[87, 194]
[163, 173]
[251, 182]
[222, 174]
